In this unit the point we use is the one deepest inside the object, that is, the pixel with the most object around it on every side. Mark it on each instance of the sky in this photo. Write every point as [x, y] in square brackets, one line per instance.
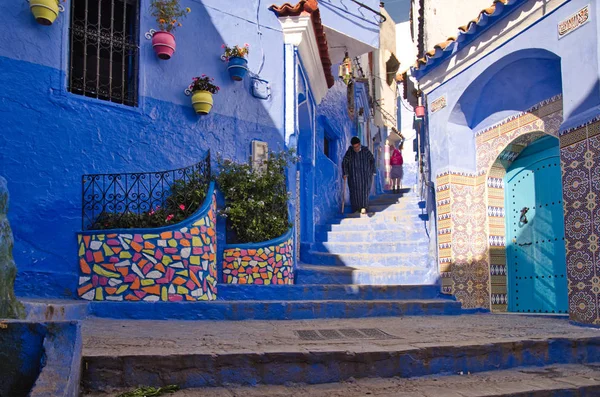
[398, 9]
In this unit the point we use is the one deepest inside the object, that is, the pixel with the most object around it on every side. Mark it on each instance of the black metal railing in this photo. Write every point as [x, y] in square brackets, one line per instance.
[144, 199]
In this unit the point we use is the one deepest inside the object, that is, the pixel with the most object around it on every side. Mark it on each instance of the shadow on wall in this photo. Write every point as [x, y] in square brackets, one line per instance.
[93, 136]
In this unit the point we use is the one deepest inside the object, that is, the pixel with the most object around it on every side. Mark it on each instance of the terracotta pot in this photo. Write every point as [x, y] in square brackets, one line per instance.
[420, 111]
[44, 11]
[202, 101]
[163, 44]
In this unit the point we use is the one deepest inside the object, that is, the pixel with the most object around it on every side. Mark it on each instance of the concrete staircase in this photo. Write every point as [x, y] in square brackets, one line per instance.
[387, 246]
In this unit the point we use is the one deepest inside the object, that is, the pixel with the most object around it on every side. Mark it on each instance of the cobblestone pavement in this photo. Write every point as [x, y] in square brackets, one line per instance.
[133, 337]
[516, 382]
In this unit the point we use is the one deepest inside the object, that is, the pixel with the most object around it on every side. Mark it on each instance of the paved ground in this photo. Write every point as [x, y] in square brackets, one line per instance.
[104, 337]
[520, 381]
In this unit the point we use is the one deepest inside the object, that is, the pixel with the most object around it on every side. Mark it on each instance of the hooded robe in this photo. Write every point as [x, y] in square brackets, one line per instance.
[359, 167]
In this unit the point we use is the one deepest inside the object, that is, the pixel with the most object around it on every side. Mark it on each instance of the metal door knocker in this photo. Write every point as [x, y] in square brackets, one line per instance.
[523, 218]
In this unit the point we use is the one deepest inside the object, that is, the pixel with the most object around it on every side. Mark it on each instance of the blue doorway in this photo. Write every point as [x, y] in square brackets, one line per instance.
[537, 279]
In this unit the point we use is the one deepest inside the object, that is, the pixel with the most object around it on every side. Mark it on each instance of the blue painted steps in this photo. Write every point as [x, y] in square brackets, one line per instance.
[237, 292]
[386, 246]
[315, 274]
[274, 310]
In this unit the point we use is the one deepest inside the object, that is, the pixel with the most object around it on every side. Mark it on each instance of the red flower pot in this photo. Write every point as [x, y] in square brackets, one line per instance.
[163, 44]
[420, 111]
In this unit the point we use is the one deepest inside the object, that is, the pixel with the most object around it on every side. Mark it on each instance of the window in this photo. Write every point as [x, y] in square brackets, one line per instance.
[104, 50]
[326, 148]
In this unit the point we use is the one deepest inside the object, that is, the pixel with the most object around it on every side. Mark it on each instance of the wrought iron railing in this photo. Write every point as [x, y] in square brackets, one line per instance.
[144, 199]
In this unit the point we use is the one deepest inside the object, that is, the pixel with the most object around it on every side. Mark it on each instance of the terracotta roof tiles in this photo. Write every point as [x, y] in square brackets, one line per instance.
[466, 32]
[310, 7]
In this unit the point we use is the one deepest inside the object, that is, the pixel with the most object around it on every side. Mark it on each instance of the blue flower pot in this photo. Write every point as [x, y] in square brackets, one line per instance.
[238, 67]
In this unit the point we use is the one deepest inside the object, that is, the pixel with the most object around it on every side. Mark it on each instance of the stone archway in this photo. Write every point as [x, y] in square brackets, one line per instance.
[506, 141]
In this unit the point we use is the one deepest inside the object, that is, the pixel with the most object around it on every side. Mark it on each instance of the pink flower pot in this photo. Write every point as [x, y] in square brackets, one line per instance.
[420, 111]
[163, 44]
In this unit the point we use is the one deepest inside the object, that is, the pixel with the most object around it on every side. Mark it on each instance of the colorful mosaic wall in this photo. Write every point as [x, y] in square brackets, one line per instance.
[163, 265]
[272, 263]
[580, 160]
[471, 235]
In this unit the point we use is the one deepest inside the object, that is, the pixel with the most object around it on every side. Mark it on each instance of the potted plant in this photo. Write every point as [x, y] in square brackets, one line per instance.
[44, 11]
[202, 89]
[168, 14]
[237, 63]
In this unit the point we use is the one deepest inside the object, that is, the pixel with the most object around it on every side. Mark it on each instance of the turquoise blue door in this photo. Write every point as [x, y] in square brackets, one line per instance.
[535, 243]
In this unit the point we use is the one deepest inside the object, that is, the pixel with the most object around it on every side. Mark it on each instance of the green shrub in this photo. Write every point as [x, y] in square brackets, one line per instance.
[256, 200]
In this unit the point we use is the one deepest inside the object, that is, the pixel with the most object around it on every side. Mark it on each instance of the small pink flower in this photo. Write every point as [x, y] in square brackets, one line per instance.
[182, 207]
[195, 79]
[171, 216]
[246, 45]
[222, 45]
[203, 75]
[151, 212]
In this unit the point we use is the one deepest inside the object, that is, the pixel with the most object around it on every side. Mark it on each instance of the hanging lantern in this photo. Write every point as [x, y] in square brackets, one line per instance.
[345, 69]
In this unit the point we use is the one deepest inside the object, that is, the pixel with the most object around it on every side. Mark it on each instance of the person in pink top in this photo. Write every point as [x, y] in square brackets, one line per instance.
[396, 162]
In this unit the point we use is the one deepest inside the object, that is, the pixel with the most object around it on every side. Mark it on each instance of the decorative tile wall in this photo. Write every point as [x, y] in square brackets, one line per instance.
[166, 264]
[580, 160]
[263, 264]
[471, 235]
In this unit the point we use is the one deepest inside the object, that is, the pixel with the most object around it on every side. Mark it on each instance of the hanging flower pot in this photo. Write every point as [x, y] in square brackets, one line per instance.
[237, 63]
[237, 68]
[202, 90]
[202, 101]
[44, 11]
[163, 44]
[168, 13]
[420, 111]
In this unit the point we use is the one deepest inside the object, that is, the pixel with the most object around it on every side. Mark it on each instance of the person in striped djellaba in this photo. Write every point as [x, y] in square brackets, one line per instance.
[358, 167]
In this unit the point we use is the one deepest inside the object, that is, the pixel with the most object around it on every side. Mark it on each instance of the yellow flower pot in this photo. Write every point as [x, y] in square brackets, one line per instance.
[202, 101]
[44, 11]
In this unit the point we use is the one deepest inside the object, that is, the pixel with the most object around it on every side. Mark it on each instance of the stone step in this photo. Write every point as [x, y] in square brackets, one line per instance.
[233, 292]
[188, 354]
[374, 223]
[368, 260]
[43, 310]
[372, 247]
[558, 380]
[316, 274]
[365, 235]
[389, 215]
[273, 310]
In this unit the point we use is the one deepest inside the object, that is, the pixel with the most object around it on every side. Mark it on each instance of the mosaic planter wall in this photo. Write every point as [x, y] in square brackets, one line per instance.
[267, 263]
[173, 263]
[470, 209]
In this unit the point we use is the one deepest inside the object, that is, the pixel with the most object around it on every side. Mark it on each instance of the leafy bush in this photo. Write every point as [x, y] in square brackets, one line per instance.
[186, 196]
[256, 199]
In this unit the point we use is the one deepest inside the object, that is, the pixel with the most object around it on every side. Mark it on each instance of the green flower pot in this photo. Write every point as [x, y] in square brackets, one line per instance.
[44, 11]
[202, 101]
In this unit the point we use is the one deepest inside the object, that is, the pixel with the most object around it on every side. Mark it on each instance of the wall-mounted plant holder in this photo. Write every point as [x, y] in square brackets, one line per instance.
[260, 88]
[163, 43]
[45, 12]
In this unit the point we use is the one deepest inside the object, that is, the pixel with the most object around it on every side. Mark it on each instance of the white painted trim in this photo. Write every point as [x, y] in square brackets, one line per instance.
[290, 81]
[299, 32]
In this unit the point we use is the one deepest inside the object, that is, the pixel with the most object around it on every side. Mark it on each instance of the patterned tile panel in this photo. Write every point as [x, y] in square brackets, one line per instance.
[167, 265]
[473, 267]
[271, 264]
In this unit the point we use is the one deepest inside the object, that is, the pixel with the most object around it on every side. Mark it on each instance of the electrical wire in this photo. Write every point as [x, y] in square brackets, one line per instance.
[259, 32]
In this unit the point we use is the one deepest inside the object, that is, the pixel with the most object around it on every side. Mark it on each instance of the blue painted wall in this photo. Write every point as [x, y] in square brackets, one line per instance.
[51, 137]
[527, 69]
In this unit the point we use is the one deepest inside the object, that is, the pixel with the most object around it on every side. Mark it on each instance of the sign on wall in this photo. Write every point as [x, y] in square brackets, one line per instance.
[574, 22]
[438, 104]
[260, 154]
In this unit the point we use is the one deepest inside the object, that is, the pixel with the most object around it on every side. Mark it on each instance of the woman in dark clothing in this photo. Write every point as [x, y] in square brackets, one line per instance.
[358, 168]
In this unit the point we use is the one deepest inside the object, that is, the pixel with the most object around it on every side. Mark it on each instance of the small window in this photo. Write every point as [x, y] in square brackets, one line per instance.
[326, 147]
[104, 50]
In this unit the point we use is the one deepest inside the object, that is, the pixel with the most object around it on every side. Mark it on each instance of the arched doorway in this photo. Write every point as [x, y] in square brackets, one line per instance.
[535, 247]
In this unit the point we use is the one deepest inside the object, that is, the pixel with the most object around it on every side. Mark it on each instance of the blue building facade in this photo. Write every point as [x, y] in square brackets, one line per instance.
[53, 134]
[512, 106]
